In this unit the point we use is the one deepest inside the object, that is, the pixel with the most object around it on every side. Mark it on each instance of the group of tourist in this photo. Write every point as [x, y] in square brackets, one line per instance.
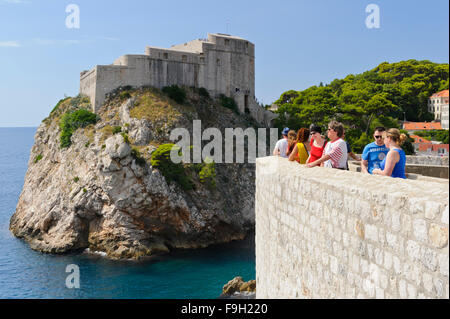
[308, 146]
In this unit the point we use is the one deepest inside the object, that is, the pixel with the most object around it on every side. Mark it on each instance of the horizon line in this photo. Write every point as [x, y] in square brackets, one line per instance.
[19, 126]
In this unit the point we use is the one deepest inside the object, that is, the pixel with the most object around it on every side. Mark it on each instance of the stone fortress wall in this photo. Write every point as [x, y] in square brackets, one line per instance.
[325, 233]
[427, 160]
[434, 166]
[222, 64]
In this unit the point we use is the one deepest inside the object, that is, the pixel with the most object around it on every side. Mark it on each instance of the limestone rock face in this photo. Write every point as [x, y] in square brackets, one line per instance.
[96, 194]
[238, 289]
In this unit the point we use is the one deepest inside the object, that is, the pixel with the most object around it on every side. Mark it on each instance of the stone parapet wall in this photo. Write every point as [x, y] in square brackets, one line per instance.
[427, 160]
[428, 170]
[413, 171]
[324, 233]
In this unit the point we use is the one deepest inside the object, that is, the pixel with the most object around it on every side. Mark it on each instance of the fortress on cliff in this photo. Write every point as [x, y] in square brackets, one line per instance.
[222, 64]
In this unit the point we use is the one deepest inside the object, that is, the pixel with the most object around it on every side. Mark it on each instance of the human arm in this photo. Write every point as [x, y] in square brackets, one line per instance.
[309, 150]
[293, 153]
[334, 153]
[276, 150]
[364, 165]
[392, 158]
[288, 151]
[353, 155]
[364, 161]
[324, 158]
[308, 147]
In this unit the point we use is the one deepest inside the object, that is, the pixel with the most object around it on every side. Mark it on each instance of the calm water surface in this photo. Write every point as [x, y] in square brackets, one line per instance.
[25, 273]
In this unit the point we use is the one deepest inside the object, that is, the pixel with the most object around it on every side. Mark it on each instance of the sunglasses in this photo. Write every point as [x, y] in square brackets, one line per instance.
[378, 136]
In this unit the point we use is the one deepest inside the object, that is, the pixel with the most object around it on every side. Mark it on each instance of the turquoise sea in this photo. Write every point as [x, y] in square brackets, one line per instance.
[25, 273]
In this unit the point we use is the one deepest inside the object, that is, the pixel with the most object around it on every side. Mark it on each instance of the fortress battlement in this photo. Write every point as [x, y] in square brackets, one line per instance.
[222, 64]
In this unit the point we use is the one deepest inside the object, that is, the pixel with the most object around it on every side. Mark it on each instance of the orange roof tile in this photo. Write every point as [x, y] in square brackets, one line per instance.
[439, 146]
[434, 147]
[443, 93]
[421, 126]
[418, 139]
[424, 147]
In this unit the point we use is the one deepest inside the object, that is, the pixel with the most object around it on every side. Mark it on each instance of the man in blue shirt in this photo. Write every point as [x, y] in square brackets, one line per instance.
[374, 153]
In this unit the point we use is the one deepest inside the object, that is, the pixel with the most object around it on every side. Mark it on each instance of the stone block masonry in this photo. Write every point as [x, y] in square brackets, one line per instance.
[325, 233]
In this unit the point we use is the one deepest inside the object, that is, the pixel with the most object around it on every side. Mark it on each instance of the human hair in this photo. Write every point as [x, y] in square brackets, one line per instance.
[291, 137]
[380, 129]
[395, 135]
[315, 128]
[302, 135]
[337, 127]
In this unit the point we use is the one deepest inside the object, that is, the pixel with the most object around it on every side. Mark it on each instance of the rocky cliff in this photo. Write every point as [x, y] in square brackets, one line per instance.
[101, 192]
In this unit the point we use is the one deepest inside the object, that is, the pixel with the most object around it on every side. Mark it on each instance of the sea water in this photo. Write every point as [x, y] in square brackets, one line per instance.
[25, 273]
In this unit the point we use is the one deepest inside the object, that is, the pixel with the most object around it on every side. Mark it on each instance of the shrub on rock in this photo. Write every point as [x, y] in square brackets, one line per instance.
[170, 170]
[70, 122]
[176, 93]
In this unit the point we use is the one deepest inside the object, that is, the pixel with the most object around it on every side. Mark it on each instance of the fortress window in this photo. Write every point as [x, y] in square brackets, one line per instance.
[184, 58]
[218, 61]
[166, 55]
[227, 42]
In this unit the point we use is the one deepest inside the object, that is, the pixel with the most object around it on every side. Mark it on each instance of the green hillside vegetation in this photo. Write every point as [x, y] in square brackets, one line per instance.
[379, 97]
[70, 122]
[438, 135]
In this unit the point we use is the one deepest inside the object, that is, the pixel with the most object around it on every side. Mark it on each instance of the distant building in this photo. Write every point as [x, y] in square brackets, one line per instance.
[444, 114]
[431, 149]
[412, 127]
[438, 105]
[273, 107]
[423, 146]
[418, 139]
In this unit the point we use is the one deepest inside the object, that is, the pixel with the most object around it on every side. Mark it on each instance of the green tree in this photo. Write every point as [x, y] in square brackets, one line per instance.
[381, 96]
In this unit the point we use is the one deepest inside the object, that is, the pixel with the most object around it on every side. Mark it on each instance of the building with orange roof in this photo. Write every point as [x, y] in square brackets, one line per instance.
[431, 149]
[438, 105]
[419, 139]
[412, 127]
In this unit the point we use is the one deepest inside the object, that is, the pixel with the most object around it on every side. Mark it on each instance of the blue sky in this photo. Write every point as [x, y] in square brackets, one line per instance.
[299, 43]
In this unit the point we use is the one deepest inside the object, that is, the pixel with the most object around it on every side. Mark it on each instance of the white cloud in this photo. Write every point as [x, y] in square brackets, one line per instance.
[42, 41]
[10, 44]
[110, 38]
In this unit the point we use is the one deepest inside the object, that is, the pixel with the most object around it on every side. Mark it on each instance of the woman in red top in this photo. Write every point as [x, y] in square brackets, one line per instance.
[317, 143]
